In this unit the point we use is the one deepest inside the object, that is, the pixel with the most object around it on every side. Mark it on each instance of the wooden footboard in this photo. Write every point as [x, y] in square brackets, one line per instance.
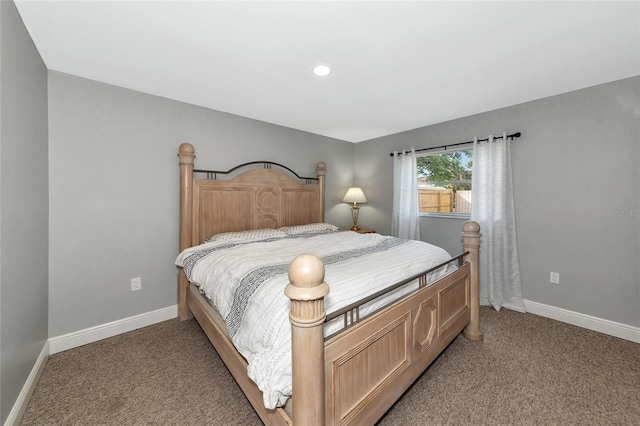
[364, 370]
[368, 368]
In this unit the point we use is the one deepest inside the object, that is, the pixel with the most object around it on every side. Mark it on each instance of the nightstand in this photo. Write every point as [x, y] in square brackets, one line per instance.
[360, 231]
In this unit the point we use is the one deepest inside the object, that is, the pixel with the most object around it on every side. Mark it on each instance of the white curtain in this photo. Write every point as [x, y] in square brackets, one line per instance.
[493, 209]
[405, 221]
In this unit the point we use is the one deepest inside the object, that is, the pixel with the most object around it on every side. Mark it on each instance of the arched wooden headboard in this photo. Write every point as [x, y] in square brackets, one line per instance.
[252, 199]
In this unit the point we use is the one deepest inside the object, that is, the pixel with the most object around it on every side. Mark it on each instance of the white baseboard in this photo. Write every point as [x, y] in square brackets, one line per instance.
[612, 328]
[19, 407]
[93, 334]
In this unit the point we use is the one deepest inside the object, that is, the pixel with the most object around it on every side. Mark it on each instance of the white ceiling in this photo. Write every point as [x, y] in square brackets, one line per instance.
[396, 65]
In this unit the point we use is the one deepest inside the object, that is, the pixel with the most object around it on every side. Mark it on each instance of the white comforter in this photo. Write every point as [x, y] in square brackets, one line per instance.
[245, 282]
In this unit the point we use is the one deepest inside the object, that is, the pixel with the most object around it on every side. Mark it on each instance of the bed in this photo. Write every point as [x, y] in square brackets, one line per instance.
[355, 372]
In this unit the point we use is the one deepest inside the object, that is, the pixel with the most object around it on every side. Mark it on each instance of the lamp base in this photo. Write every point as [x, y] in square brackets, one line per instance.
[355, 210]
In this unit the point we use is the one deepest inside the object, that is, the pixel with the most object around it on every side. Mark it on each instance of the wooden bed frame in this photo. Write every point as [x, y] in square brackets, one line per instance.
[355, 376]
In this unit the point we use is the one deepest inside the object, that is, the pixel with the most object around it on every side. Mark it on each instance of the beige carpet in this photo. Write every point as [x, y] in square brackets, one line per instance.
[528, 371]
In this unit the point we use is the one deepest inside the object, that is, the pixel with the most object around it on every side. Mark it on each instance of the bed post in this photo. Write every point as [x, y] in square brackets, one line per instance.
[186, 156]
[321, 171]
[471, 243]
[306, 290]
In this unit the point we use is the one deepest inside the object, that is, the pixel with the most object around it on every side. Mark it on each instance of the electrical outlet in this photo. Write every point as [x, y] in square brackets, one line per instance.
[136, 284]
[554, 278]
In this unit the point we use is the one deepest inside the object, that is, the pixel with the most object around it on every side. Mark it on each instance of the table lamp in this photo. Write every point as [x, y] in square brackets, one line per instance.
[354, 196]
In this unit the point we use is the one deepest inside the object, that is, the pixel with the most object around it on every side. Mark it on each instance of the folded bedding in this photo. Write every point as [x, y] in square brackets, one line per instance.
[244, 277]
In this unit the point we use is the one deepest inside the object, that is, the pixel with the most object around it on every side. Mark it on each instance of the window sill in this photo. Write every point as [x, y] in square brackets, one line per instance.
[466, 216]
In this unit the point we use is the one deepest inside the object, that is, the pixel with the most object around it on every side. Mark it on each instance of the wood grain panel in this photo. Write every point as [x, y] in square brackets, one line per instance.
[425, 325]
[267, 207]
[267, 177]
[222, 209]
[362, 372]
[453, 302]
[300, 206]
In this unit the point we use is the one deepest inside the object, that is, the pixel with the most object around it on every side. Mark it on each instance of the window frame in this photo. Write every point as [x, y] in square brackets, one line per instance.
[450, 215]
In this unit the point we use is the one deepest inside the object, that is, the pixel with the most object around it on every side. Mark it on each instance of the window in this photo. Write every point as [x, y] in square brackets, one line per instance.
[444, 182]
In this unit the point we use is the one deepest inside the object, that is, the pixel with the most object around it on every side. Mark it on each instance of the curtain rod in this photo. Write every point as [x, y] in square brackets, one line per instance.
[511, 136]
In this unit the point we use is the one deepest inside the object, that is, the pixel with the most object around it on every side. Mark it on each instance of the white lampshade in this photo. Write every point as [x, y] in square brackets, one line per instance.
[355, 195]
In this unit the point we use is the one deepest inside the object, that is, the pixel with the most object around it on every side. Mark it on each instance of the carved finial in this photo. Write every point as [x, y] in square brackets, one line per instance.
[471, 235]
[306, 283]
[306, 271]
[186, 154]
[471, 227]
[321, 168]
[186, 148]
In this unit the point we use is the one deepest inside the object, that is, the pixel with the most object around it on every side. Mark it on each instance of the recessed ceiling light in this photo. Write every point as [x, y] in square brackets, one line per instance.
[321, 70]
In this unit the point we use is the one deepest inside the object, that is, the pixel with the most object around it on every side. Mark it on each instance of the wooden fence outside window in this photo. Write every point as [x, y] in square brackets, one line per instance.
[443, 200]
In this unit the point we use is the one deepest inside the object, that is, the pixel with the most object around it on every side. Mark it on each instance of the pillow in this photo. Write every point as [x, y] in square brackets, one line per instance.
[250, 235]
[311, 228]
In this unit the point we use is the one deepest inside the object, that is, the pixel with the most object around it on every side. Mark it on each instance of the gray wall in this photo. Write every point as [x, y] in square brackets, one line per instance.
[23, 206]
[114, 191]
[575, 172]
